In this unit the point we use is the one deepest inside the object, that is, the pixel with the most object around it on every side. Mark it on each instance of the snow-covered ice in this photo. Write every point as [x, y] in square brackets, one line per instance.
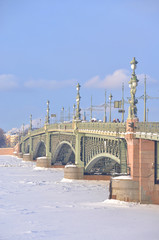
[38, 204]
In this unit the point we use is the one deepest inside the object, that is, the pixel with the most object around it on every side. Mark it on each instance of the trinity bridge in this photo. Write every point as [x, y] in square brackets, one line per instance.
[84, 144]
[129, 148]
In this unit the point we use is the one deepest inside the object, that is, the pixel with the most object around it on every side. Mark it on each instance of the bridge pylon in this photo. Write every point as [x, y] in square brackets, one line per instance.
[78, 135]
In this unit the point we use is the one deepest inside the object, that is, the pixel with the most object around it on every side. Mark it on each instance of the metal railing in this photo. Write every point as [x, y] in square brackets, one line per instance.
[147, 127]
[148, 130]
[108, 127]
[60, 126]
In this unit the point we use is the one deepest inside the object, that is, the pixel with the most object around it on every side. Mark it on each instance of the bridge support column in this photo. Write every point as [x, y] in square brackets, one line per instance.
[43, 162]
[133, 156]
[78, 148]
[22, 147]
[140, 187]
[31, 147]
[73, 172]
[20, 155]
[123, 157]
[27, 157]
[48, 153]
[148, 189]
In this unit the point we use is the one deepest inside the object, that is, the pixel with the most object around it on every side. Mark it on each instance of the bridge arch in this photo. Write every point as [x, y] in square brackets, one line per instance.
[40, 150]
[27, 149]
[68, 151]
[98, 157]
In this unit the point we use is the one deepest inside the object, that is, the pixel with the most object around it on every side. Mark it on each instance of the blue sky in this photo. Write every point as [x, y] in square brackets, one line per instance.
[47, 46]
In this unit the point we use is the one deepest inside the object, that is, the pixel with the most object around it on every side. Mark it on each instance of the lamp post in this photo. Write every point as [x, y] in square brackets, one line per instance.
[91, 110]
[74, 107]
[69, 114]
[145, 99]
[105, 108]
[30, 128]
[133, 84]
[23, 130]
[62, 114]
[47, 116]
[78, 115]
[110, 101]
[123, 102]
[147, 113]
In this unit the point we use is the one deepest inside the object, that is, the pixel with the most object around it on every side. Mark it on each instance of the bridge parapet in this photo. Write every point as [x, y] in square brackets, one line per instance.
[148, 127]
[100, 126]
[88, 126]
[142, 130]
[60, 126]
[38, 131]
[33, 133]
[148, 130]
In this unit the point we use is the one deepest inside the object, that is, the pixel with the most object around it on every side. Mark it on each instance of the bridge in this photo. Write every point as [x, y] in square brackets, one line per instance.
[83, 144]
[130, 148]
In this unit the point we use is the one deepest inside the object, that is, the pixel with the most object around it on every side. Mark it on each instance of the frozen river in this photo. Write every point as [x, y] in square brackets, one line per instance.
[39, 204]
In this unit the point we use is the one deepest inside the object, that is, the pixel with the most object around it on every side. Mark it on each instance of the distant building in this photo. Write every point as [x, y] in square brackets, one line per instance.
[11, 140]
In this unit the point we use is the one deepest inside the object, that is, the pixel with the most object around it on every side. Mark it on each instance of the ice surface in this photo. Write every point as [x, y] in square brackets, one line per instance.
[38, 204]
[122, 177]
[71, 165]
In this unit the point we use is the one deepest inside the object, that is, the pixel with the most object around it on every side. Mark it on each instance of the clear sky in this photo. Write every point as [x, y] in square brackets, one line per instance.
[47, 46]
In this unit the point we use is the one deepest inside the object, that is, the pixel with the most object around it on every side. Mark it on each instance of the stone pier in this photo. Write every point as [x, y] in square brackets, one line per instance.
[44, 162]
[27, 157]
[73, 172]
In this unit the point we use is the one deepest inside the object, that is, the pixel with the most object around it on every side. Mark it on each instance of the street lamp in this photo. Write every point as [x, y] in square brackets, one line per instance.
[110, 99]
[62, 114]
[74, 107]
[91, 110]
[105, 108]
[47, 116]
[78, 115]
[23, 130]
[133, 84]
[147, 113]
[30, 122]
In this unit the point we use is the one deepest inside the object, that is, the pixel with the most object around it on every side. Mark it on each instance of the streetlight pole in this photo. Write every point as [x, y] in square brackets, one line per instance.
[62, 114]
[47, 116]
[74, 107]
[133, 84]
[105, 108]
[91, 110]
[30, 122]
[145, 99]
[78, 115]
[122, 102]
[69, 114]
[65, 114]
[147, 114]
[110, 101]
[23, 129]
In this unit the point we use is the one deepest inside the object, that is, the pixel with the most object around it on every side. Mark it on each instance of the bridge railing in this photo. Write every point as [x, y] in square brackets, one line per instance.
[38, 131]
[109, 127]
[147, 127]
[60, 126]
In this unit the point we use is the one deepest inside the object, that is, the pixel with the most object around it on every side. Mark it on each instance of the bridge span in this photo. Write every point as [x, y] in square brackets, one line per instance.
[132, 148]
[83, 144]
